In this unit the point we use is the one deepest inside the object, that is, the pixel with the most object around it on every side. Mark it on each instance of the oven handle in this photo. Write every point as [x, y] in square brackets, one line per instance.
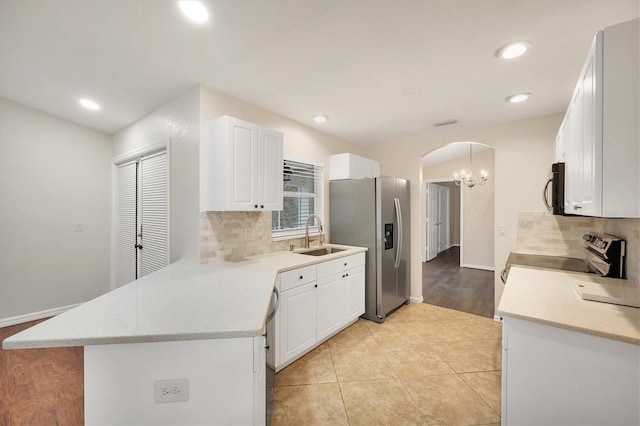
[545, 198]
[503, 276]
[275, 306]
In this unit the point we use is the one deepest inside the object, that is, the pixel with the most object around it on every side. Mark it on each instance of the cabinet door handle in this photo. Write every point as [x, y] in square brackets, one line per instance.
[347, 275]
[301, 277]
[345, 263]
[262, 206]
[255, 206]
[577, 207]
[316, 286]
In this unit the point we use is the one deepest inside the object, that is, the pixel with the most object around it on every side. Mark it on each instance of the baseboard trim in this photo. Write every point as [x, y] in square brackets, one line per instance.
[19, 319]
[497, 318]
[416, 299]
[484, 268]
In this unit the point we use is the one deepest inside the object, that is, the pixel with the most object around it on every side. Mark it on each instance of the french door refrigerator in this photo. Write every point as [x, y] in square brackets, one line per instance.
[374, 213]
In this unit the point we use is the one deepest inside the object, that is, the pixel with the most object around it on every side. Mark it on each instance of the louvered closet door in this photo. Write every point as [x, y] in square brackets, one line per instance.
[154, 214]
[126, 260]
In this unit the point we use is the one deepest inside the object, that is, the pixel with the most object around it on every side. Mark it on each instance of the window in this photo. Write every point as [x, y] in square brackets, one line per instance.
[302, 197]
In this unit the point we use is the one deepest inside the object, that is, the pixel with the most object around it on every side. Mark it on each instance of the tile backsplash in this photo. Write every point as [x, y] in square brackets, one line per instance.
[543, 233]
[234, 235]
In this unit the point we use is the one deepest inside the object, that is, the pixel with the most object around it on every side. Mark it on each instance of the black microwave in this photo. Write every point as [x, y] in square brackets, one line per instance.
[556, 204]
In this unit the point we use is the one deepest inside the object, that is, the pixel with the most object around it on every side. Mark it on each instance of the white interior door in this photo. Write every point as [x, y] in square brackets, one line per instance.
[153, 233]
[443, 218]
[126, 241]
[142, 240]
[432, 220]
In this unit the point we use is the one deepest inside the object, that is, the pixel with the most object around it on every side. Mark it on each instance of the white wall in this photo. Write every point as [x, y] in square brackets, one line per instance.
[478, 207]
[301, 142]
[179, 121]
[523, 155]
[53, 174]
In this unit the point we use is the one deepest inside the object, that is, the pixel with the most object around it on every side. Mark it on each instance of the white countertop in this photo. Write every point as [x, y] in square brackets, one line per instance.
[184, 301]
[549, 297]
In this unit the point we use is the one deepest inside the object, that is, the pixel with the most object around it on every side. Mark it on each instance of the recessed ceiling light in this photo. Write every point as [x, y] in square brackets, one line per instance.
[520, 97]
[320, 118]
[513, 50]
[194, 10]
[89, 104]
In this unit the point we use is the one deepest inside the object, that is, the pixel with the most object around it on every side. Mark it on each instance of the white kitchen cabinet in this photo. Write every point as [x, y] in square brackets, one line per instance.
[330, 304]
[316, 302]
[553, 376]
[602, 163]
[296, 319]
[355, 293]
[351, 166]
[240, 167]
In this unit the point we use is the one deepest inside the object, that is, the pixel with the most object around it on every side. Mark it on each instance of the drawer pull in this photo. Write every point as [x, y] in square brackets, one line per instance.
[345, 263]
[316, 286]
[301, 277]
[347, 275]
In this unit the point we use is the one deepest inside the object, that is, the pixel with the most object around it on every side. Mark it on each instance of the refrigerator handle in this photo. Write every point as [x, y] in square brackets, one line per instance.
[399, 221]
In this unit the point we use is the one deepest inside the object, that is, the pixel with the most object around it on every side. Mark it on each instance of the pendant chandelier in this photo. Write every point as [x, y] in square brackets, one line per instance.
[467, 177]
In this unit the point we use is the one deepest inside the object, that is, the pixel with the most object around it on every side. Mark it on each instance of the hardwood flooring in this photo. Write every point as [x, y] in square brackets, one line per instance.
[41, 386]
[446, 284]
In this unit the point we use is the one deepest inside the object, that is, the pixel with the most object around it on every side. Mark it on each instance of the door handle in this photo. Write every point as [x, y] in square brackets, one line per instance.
[138, 246]
[399, 221]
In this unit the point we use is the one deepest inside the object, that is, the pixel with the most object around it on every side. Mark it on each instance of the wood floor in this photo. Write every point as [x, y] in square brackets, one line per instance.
[446, 284]
[41, 386]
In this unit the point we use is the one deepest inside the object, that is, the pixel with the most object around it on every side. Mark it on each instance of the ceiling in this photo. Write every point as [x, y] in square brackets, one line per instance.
[381, 70]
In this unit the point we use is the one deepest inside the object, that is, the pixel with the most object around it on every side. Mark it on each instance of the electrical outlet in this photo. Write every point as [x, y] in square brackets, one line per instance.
[176, 390]
[78, 227]
[502, 230]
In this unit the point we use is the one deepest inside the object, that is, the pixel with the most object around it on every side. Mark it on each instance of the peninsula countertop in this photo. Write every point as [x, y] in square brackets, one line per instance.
[183, 301]
[549, 297]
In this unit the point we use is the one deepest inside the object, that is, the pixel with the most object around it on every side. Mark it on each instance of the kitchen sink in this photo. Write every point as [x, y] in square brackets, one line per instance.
[322, 251]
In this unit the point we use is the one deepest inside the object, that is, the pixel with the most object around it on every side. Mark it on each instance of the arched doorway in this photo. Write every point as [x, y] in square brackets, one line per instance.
[457, 228]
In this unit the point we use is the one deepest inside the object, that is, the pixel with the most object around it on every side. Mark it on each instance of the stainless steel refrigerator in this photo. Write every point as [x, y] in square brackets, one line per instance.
[374, 213]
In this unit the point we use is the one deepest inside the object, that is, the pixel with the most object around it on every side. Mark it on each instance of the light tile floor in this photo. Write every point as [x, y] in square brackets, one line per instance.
[426, 365]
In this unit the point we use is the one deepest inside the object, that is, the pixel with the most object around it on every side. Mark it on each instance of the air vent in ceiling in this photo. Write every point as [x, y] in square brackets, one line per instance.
[445, 123]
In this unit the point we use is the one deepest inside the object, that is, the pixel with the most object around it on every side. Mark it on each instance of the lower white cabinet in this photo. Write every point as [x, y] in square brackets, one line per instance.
[330, 303]
[316, 302]
[554, 376]
[297, 321]
[355, 293]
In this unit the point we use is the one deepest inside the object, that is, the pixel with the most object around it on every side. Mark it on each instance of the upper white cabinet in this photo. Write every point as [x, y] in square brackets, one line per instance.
[240, 167]
[599, 136]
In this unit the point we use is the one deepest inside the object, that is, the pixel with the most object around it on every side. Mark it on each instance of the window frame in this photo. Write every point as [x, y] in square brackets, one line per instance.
[295, 233]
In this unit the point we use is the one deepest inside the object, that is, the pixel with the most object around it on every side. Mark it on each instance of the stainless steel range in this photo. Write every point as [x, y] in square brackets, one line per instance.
[605, 256]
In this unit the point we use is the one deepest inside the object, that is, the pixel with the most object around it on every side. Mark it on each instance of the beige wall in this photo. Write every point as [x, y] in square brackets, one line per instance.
[220, 235]
[477, 206]
[523, 155]
[53, 174]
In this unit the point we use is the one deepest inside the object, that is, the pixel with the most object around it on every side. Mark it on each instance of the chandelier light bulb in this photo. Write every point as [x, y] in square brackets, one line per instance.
[467, 177]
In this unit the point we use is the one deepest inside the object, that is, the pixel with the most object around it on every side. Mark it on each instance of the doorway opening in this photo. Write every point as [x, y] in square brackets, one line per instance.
[457, 234]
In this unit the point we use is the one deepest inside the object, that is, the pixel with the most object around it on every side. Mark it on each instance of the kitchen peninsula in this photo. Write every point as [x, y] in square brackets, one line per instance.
[567, 360]
[202, 323]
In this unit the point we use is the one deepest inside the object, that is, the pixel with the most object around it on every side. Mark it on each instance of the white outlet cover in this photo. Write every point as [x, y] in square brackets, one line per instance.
[175, 390]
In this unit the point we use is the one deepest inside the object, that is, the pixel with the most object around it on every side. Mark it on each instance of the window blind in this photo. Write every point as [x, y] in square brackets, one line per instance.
[302, 196]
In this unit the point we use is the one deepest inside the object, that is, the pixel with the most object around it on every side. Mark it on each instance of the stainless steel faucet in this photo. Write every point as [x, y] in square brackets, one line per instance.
[306, 232]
